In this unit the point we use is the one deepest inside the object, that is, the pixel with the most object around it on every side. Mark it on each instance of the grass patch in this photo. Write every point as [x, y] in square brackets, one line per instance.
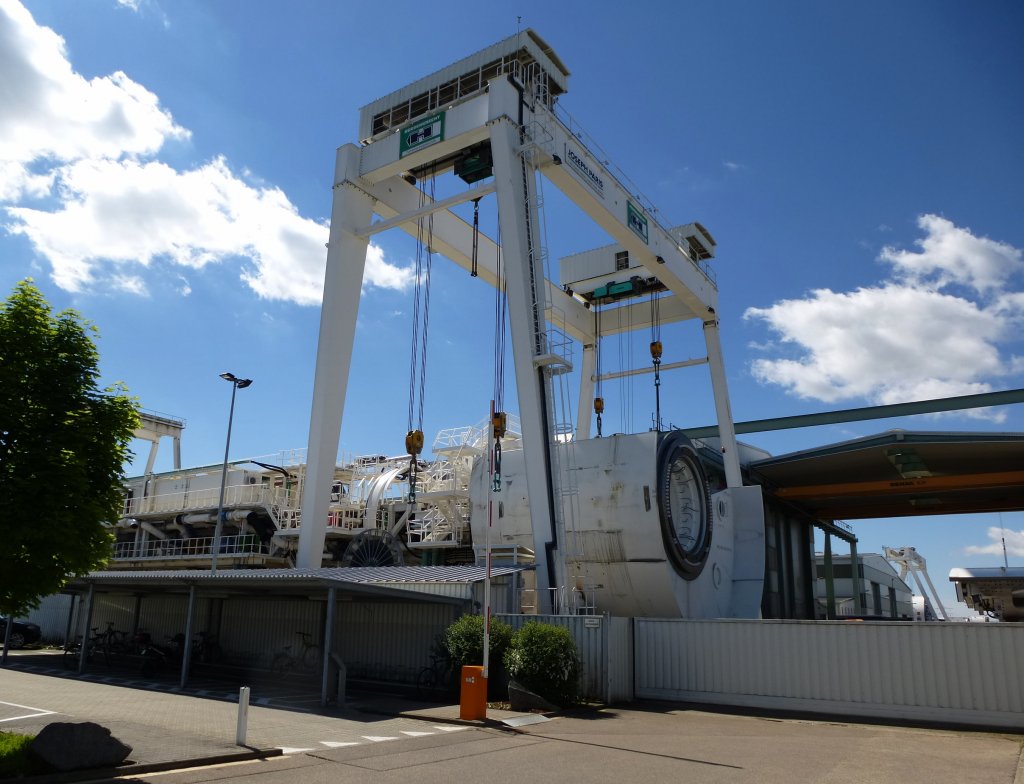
[14, 757]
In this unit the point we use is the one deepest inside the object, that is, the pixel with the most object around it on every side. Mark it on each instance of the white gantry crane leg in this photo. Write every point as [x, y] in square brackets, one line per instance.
[525, 275]
[726, 429]
[346, 261]
[585, 407]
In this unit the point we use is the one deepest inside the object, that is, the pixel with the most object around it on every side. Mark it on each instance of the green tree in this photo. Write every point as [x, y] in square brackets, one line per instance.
[63, 443]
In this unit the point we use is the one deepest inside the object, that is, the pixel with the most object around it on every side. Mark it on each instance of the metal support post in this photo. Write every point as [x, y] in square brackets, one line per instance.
[186, 649]
[8, 630]
[346, 262]
[241, 725]
[830, 586]
[71, 618]
[517, 220]
[325, 673]
[858, 582]
[85, 632]
[723, 411]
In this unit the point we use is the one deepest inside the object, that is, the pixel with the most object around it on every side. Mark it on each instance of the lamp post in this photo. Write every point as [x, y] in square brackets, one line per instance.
[236, 384]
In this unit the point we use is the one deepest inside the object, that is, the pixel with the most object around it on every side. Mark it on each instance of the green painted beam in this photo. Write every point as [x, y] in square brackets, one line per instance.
[962, 402]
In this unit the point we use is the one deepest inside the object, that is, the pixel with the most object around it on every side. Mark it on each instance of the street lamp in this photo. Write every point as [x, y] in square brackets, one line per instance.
[236, 384]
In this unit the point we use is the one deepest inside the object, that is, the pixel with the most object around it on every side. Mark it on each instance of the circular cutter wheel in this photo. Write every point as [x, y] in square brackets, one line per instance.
[684, 504]
[376, 547]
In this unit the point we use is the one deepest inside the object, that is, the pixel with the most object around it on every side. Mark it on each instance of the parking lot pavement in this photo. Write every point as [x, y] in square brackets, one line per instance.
[667, 744]
[404, 742]
[163, 727]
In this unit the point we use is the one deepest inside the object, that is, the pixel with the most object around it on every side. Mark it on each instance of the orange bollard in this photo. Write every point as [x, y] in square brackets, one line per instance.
[473, 695]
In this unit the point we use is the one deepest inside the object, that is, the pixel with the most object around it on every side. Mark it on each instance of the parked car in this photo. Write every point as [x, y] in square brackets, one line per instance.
[22, 633]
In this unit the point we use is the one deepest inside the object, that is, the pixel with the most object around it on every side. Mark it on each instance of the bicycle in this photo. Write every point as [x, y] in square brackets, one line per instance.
[112, 642]
[206, 649]
[73, 650]
[440, 676]
[284, 661]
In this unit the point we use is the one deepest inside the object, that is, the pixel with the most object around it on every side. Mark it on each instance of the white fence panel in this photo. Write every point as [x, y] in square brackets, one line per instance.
[964, 673]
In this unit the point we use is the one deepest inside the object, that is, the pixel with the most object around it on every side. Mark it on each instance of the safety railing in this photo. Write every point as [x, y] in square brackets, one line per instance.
[208, 498]
[439, 528]
[559, 114]
[196, 547]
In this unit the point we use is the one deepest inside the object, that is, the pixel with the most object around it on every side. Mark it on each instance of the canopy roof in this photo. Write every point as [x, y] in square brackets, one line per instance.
[901, 473]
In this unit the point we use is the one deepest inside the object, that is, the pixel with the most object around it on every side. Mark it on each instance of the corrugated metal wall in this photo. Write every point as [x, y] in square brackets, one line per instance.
[389, 642]
[52, 617]
[253, 630]
[964, 673]
[605, 650]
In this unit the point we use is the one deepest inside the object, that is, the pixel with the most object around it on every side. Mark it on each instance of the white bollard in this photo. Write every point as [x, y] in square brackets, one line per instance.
[243, 715]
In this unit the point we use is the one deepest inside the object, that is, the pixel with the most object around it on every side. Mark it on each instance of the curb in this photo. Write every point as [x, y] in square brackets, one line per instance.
[91, 774]
[421, 716]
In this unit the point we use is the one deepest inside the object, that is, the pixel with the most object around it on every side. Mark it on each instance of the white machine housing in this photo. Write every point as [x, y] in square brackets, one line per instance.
[621, 553]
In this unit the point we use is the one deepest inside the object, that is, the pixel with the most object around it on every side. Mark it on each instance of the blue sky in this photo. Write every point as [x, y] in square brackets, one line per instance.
[165, 168]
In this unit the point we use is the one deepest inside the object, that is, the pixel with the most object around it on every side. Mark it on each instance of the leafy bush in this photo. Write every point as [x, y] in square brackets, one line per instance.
[544, 659]
[464, 641]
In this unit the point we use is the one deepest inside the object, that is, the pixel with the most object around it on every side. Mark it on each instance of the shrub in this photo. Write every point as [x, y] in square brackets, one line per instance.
[544, 659]
[464, 641]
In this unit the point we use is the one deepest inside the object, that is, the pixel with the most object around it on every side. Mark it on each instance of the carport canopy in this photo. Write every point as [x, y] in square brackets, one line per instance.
[901, 473]
[362, 583]
[366, 584]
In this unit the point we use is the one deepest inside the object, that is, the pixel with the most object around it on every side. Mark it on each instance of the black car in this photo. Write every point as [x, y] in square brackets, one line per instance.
[22, 633]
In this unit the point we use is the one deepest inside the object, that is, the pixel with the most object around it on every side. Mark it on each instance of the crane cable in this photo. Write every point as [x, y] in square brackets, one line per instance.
[499, 419]
[598, 398]
[656, 351]
[476, 237]
[420, 331]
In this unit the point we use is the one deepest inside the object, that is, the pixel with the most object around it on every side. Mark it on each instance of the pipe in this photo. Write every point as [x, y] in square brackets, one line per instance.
[151, 529]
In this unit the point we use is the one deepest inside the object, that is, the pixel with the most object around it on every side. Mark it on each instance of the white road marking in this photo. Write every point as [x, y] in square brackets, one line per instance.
[417, 734]
[292, 750]
[379, 738]
[449, 729]
[36, 711]
[334, 744]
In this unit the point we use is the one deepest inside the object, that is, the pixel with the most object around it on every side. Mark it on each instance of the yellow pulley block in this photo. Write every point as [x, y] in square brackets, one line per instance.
[598, 405]
[655, 349]
[499, 421]
[414, 442]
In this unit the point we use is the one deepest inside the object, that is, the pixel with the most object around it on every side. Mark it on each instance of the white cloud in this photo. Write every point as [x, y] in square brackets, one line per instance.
[130, 4]
[951, 255]
[133, 284]
[1014, 543]
[732, 165]
[117, 213]
[913, 337]
[48, 112]
[89, 144]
